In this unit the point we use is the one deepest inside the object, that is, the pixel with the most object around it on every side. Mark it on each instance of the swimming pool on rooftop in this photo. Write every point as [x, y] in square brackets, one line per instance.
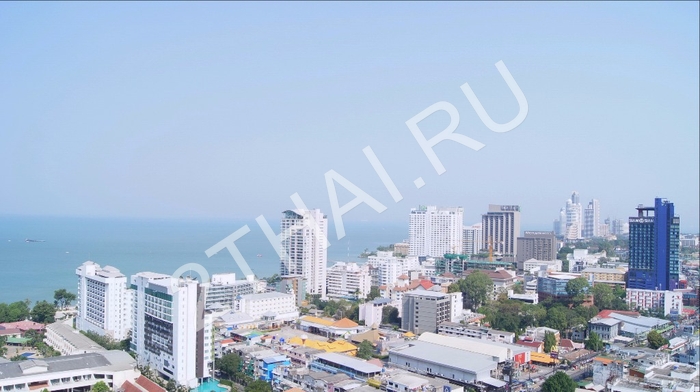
[210, 385]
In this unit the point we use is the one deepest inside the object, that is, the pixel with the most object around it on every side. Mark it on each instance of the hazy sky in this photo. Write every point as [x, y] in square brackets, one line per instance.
[223, 110]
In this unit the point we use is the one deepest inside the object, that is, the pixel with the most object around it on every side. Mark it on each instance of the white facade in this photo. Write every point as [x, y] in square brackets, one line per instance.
[534, 265]
[348, 280]
[273, 306]
[104, 301]
[390, 267]
[68, 341]
[574, 218]
[222, 289]
[670, 301]
[456, 306]
[69, 373]
[371, 312]
[435, 231]
[473, 239]
[171, 333]
[501, 225]
[304, 243]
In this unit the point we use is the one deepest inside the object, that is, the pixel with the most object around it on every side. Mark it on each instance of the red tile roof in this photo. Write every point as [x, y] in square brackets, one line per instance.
[403, 276]
[9, 331]
[529, 343]
[567, 343]
[149, 385]
[606, 313]
[23, 326]
[129, 387]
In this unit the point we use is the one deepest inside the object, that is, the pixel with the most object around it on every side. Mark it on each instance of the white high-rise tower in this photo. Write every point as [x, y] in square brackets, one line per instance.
[104, 301]
[434, 231]
[304, 243]
[591, 220]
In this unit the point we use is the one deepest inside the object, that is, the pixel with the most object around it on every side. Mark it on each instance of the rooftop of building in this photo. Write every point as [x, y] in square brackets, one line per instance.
[603, 270]
[606, 321]
[350, 362]
[426, 293]
[108, 360]
[449, 357]
[74, 337]
[268, 295]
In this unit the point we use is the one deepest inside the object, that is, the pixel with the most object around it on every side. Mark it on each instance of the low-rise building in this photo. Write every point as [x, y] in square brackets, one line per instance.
[68, 341]
[609, 276]
[474, 331]
[353, 367]
[273, 306]
[670, 301]
[372, 312]
[68, 373]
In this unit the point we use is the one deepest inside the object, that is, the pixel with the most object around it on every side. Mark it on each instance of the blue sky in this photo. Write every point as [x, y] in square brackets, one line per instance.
[223, 110]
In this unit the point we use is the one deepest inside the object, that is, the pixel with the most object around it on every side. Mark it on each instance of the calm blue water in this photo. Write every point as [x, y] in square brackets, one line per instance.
[34, 270]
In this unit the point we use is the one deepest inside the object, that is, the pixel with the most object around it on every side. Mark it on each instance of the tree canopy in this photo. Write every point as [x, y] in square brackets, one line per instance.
[373, 293]
[63, 298]
[365, 349]
[559, 382]
[656, 340]
[16, 311]
[230, 364]
[258, 386]
[43, 312]
[594, 343]
[550, 342]
[577, 289]
[476, 289]
[100, 386]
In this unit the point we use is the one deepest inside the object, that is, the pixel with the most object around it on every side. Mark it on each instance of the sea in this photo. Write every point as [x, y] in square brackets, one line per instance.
[39, 255]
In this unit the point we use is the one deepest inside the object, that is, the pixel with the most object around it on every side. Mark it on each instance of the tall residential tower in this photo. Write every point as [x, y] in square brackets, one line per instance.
[304, 243]
[104, 301]
[501, 227]
[654, 242]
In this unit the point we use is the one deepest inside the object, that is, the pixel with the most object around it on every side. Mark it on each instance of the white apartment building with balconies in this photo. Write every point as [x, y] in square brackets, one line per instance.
[348, 280]
[434, 231]
[104, 301]
[304, 245]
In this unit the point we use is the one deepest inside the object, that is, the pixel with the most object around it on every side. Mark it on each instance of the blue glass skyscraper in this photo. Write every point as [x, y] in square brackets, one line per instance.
[654, 241]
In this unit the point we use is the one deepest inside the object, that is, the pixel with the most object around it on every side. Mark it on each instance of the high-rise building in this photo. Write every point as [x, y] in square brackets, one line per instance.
[619, 227]
[304, 241]
[591, 220]
[654, 246]
[560, 223]
[473, 239]
[501, 226]
[540, 245]
[385, 268]
[574, 218]
[349, 280]
[104, 301]
[435, 231]
[171, 331]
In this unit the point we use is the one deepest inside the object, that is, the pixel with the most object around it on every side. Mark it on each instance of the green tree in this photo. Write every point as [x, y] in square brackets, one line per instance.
[656, 340]
[593, 343]
[100, 386]
[577, 289]
[365, 349]
[229, 364]
[18, 358]
[63, 298]
[258, 386]
[603, 296]
[3, 349]
[390, 315]
[373, 293]
[550, 341]
[559, 382]
[16, 311]
[171, 385]
[476, 288]
[43, 312]
[557, 317]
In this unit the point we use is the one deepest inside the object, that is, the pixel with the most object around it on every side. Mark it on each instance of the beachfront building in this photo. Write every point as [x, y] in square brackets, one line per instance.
[171, 331]
[304, 245]
[434, 231]
[104, 301]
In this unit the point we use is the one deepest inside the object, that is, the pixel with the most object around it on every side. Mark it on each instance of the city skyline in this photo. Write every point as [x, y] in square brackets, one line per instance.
[199, 110]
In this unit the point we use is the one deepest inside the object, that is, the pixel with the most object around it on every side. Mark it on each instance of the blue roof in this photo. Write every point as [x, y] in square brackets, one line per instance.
[276, 359]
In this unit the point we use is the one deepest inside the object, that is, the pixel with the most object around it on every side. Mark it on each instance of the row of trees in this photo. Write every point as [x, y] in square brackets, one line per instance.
[42, 312]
